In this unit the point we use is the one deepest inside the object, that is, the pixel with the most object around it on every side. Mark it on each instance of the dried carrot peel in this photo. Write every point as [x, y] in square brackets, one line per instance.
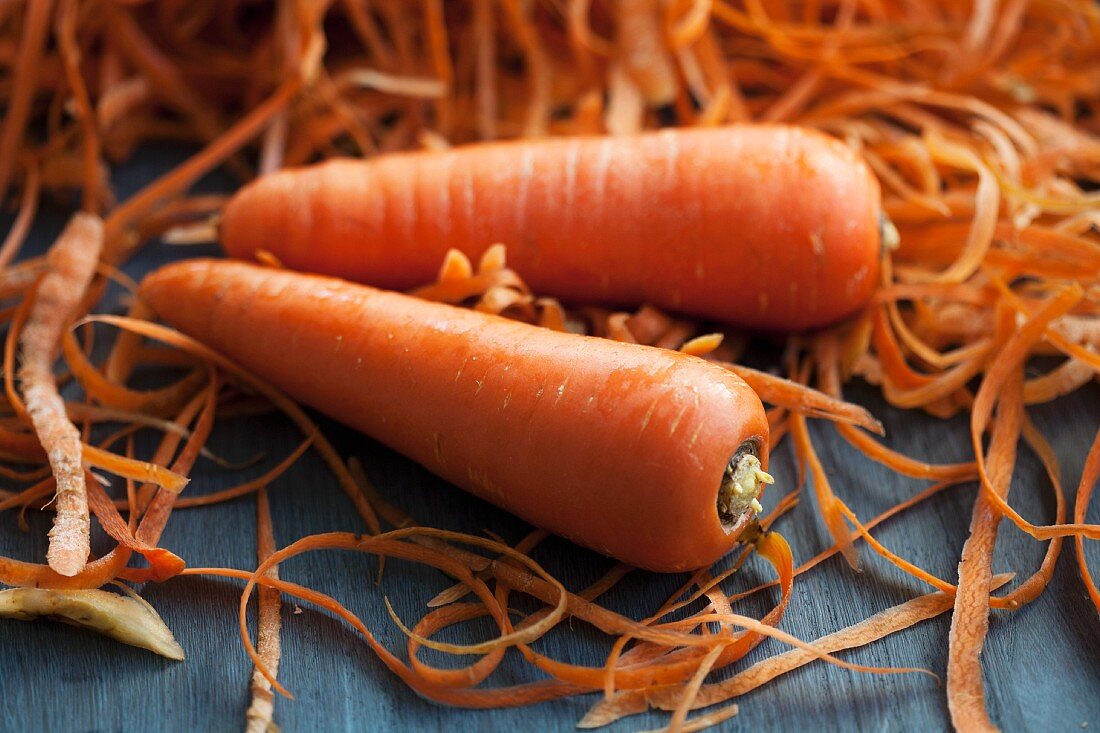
[70, 265]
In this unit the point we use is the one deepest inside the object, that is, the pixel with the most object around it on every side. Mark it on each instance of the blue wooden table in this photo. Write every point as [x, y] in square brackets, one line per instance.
[1042, 663]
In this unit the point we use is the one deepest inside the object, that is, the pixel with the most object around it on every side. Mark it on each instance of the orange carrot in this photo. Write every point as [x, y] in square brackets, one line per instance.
[874, 628]
[163, 401]
[109, 567]
[970, 621]
[614, 220]
[36, 24]
[258, 717]
[645, 454]
[163, 564]
[1089, 477]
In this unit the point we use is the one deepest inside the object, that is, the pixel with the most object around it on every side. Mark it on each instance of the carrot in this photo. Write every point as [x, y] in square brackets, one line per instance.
[892, 620]
[644, 454]
[70, 266]
[21, 227]
[1089, 477]
[111, 565]
[642, 52]
[36, 25]
[163, 564]
[618, 221]
[163, 401]
[970, 621]
[258, 717]
[981, 123]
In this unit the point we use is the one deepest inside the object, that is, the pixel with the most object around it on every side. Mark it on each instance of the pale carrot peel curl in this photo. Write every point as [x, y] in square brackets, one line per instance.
[70, 265]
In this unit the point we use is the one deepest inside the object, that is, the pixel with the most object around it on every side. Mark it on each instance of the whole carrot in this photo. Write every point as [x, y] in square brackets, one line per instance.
[767, 227]
[650, 456]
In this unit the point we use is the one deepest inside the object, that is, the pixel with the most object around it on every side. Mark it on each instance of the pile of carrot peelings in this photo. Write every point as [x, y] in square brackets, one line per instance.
[981, 121]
